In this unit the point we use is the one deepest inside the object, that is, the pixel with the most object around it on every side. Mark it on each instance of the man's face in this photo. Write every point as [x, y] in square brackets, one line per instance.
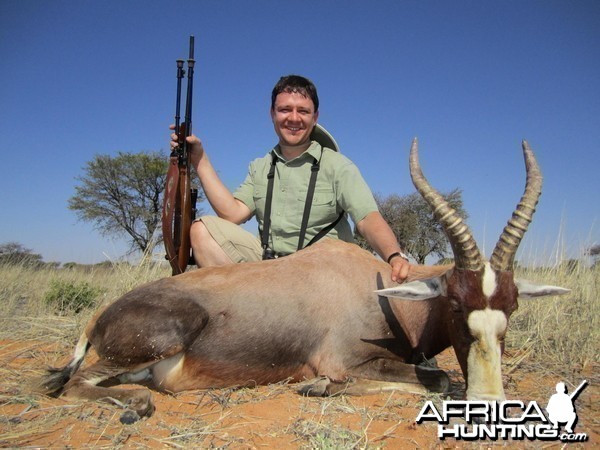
[293, 117]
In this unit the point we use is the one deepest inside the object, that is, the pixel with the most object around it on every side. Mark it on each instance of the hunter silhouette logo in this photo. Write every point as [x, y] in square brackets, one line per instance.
[561, 406]
[510, 419]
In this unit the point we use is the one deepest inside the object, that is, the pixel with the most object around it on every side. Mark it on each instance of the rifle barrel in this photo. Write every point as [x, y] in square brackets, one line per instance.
[180, 74]
[191, 47]
[190, 87]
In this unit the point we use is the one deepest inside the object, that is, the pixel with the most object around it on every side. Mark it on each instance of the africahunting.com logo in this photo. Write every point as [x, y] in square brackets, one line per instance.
[511, 419]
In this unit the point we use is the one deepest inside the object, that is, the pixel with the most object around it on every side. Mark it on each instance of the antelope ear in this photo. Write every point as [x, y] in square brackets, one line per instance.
[415, 290]
[529, 289]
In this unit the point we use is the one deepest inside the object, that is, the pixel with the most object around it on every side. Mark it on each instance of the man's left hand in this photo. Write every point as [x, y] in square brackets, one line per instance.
[400, 268]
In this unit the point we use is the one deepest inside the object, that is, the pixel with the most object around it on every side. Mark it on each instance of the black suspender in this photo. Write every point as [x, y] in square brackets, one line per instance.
[264, 238]
[314, 171]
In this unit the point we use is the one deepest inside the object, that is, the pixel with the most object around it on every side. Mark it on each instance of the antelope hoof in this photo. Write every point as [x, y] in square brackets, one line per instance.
[129, 417]
[138, 405]
[317, 388]
[435, 380]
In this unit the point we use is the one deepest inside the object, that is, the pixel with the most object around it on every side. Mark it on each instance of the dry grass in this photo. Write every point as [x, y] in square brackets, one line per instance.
[22, 290]
[561, 334]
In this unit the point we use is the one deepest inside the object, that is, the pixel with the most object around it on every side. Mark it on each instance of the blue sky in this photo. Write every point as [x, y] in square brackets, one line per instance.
[470, 79]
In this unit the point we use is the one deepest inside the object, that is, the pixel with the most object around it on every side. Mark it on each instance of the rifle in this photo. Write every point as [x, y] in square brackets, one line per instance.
[179, 202]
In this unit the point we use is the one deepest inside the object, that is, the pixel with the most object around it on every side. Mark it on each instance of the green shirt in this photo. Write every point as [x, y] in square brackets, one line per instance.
[340, 187]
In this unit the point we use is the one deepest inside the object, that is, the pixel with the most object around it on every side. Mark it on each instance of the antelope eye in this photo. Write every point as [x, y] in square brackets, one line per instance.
[455, 306]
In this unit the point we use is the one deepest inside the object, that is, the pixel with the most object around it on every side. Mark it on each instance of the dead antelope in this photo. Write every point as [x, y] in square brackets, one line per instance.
[324, 313]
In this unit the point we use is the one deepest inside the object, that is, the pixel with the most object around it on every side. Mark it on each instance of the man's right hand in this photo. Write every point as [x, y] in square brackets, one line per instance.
[194, 146]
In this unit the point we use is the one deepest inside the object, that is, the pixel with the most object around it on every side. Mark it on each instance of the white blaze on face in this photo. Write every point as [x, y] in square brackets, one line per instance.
[484, 359]
[489, 281]
[485, 354]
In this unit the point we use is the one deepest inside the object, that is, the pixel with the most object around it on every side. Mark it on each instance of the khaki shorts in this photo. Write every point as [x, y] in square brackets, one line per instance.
[240, 245]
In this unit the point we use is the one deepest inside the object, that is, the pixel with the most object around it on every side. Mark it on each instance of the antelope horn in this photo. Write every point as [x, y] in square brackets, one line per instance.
[464, 247]
[506, 248]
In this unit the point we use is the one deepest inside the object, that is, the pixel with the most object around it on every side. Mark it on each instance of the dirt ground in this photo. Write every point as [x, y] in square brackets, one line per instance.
[272, 417]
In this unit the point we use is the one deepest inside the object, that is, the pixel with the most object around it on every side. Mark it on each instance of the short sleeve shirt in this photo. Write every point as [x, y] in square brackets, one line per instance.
[339, 188]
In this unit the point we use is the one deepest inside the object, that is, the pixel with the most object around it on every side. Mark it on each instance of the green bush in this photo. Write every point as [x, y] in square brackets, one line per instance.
[69, 296]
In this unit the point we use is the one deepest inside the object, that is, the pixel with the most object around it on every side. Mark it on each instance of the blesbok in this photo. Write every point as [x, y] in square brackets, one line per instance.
[322, 314]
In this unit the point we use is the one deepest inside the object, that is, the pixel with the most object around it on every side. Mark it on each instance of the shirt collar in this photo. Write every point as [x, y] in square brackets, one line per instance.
[314, 150]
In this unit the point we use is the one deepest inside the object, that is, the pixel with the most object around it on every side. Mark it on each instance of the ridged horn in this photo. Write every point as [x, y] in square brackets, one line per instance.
[506, 248]
[464, 247]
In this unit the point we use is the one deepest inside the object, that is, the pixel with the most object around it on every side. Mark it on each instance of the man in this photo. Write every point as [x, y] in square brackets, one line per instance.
[337, 190]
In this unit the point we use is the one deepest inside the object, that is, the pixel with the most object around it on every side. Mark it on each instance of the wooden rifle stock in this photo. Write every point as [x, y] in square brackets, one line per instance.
[179, 202]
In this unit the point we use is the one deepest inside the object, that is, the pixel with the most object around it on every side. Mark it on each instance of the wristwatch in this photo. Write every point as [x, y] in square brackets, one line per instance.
[393, 255]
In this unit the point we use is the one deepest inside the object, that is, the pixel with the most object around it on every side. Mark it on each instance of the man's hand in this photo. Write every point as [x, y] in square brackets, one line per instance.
[400, 268]
[194, 145]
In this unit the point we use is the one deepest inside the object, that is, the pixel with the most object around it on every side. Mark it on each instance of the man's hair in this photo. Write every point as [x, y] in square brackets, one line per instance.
[295, 84]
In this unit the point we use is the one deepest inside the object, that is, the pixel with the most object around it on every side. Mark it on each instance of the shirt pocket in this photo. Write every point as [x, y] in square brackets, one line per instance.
[323, 208]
